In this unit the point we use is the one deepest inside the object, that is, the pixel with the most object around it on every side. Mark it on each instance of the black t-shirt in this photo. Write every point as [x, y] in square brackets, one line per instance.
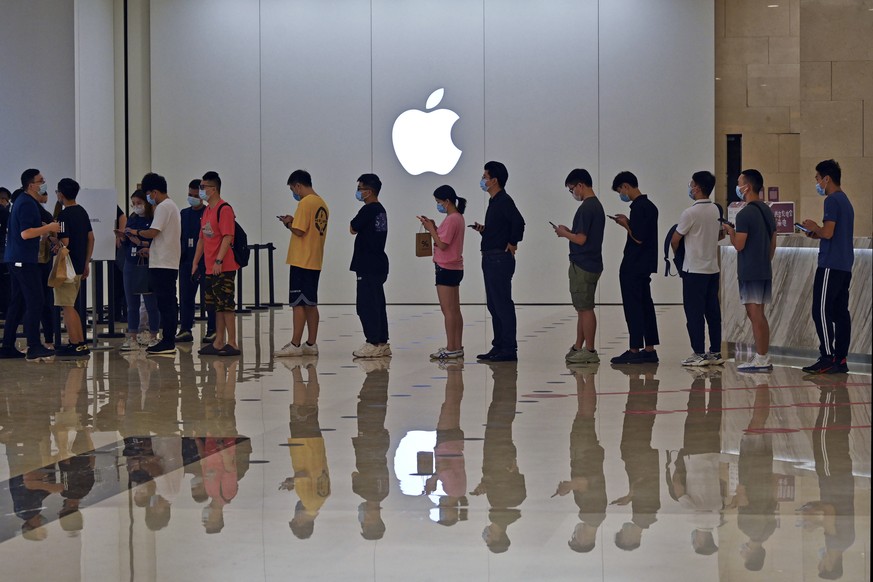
[589, 220]
[503, 223]
[642, 258]
[75, 226]
[4, 223]
[371, 224]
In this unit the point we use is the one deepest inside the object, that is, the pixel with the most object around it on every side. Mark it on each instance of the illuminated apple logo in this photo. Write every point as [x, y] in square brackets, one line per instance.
[423, 140]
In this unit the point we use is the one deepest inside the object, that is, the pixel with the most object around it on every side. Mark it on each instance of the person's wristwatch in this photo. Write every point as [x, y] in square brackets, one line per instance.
[218, 261]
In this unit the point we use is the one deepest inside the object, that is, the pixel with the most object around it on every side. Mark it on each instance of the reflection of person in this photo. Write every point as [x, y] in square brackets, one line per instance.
[502, 482]
[4, 272]
[640, 459]
[834, 512]
[695, 483]
[311, 478]
[449, 452]
[587, 481]
[370, 479]
[756, 491]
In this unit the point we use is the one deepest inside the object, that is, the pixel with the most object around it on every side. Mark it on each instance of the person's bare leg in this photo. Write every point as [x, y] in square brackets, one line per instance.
[219, 341]
[589, 328]
[312, 320]
[230, 328]
[74, 325]
[760, 327]
[299, 322]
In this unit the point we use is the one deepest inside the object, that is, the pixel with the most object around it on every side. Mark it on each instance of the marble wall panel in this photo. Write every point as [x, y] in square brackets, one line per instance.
[730, 85]
[761, 151]
[831, 129]
[772, 85]
[815, 81]
[853, 79]
[789, 153]
[868, 128]
[784, 50]
[757, 18]
[836, 31]
[742, 51]
[794, 18]
[753, 119]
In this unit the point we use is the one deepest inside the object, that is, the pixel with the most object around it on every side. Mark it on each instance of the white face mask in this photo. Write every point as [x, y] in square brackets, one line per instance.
[139, 210]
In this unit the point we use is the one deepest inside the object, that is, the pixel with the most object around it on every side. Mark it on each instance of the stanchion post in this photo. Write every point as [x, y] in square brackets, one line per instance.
[239, 294]
[257, 250]
[272, 303]
[110, 274]
[201, 291]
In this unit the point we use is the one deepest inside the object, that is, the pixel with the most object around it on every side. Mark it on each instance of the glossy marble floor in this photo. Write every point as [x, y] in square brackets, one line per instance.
[189, 468]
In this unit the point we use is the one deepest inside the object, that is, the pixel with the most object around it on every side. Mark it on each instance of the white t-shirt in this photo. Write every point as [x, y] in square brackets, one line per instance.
[166, 248]
[700, 226]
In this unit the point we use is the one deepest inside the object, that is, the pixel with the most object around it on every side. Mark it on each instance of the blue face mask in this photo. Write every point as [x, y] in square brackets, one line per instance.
[624, 197]
[690, 193]
[203, 195]
[740, 194]
[296, 196]
[482, 185]
[359, 195]
[43, 188]
[819, 189]
[150, 199]
[441, 209]
[192, 201]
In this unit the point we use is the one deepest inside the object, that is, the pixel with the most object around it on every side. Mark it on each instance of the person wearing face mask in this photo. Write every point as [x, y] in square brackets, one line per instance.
[188, 285]
[308, 229]
[136, 255]
[836, 254]
[4, 272]
[448, 260]
[754, 238]
[640, 260]
[26, 298]
[76, 234]
[165, 234]
[586, 263]
[370, 265]
[501, 233]
[699, 227]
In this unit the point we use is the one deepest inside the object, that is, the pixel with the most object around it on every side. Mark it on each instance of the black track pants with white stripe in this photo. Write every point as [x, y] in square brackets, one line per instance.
[830, 312]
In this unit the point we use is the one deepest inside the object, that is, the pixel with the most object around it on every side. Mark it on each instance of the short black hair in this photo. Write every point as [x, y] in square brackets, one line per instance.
[578, 176]
[27, 177]
[194, 184]
[755, 179]
[372, 182]
[213, 177]
[831, 169]
[705, 180]
[5, 193]
[300, 177]
[497, 171]
[755, 560]
[625, 177]
[152, 181]
[708, 546]
[69, 188]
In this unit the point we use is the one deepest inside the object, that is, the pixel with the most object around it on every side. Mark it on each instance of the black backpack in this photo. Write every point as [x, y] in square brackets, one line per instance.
[240, 245]
[679, 255]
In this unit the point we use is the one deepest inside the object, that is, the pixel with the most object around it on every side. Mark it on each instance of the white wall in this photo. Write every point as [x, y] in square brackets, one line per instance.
[37, 105]
[255, 90]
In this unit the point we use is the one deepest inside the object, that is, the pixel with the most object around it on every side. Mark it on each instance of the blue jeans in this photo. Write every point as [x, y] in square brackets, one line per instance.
[497, 271]
[151, 304]
[26, 298]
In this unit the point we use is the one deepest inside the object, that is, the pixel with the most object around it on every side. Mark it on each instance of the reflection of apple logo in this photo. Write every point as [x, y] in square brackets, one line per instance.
[423, 141]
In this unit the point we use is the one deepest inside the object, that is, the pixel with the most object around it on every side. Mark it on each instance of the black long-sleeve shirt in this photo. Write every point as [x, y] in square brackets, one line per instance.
[503, 223]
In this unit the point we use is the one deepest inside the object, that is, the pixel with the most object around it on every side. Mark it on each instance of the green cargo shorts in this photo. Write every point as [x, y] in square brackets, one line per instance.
[583, 286]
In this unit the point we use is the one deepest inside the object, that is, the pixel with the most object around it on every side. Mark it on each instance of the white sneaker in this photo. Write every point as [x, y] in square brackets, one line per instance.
[289, 350]
[374, 364]
[714, 359]
[130, 344]
[368, 350]
[145, 338]
[438, 355]
[309, 350]
[444, 354]
[758, 363]
[384, 350]
[695, 360]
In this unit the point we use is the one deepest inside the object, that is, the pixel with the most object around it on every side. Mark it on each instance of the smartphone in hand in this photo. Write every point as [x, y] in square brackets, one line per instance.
[801, 228]
[553, 225]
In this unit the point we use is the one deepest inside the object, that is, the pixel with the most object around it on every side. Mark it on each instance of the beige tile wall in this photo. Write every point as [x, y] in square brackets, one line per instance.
[795, 78]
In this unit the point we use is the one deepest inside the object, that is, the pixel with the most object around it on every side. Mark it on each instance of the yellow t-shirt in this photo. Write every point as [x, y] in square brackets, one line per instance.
[307, 251]
[309, 461]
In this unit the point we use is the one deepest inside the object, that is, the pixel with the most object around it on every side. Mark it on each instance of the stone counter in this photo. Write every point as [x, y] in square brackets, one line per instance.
[792, 330]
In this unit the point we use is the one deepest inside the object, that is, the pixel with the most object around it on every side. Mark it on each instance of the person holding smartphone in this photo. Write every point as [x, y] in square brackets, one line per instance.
[136, 251]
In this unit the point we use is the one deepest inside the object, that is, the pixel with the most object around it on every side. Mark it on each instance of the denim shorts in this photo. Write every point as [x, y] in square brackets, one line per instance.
[448, 277]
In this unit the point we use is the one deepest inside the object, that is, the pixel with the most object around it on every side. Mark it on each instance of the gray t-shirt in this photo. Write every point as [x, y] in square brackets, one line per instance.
[758, 222]
[589, 220]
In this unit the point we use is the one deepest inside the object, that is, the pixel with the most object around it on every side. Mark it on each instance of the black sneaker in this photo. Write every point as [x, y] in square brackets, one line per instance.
[836, 367]
[39, 354]
[815, 368]
[83, 350]
[208, 350]
[67, 351]
[184, 337]
[209, 337]
[162, 348]
[10, 353]
[504, 357]
[646, 357]
[488, 355]
[628, 357]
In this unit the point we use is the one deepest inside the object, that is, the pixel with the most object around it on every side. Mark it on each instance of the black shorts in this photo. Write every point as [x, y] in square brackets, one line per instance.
[448, 277]
[304, 286]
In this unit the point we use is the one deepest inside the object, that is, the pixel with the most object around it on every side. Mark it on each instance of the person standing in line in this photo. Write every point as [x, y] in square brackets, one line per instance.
[308, 229]
[165, 235]
[635, 273]
[754, 238]
[836, 254]
[188, 285]
[216, 239]
[370, 265]
[501, 233]
[22, 252]
[448, 259]
[76, 234]
[586, 263]
[699, 228]
[135, 252]
[5, 195]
